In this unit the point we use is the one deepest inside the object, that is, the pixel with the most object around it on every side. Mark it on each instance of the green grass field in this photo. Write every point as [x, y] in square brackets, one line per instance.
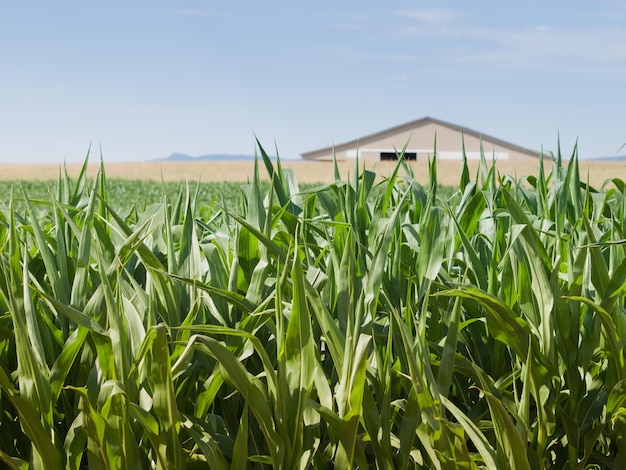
[124, 194]
[355, 324]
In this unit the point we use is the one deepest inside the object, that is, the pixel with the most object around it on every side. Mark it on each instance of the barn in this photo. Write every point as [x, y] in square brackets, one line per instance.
[419, 137]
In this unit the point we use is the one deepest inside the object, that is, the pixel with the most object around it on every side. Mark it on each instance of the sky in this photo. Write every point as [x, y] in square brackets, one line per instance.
[140, 80]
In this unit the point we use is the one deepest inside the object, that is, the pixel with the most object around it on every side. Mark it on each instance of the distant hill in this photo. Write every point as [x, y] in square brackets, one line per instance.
[182, 157]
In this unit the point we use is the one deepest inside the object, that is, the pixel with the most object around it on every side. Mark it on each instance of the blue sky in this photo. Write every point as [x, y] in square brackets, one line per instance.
[144, 79]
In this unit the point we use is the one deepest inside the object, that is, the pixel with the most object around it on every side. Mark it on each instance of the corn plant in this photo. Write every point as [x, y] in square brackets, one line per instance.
[365, 323]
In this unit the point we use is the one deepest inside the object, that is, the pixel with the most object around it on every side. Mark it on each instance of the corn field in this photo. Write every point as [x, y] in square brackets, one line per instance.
[359, 324]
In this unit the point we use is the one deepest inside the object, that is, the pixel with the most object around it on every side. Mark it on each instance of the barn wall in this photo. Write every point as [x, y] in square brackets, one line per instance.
[421, 141]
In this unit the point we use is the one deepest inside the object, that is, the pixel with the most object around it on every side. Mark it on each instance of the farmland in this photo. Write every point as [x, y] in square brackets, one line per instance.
[306, 172]
[378, 318]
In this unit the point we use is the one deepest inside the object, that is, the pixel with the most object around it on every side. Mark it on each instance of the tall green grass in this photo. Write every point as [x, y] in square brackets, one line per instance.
[356, 324]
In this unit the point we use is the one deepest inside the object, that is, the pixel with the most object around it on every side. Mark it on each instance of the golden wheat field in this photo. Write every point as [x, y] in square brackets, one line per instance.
[448, 172]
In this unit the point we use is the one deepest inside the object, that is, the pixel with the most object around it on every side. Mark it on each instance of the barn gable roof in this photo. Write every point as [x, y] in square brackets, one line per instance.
[412, 125]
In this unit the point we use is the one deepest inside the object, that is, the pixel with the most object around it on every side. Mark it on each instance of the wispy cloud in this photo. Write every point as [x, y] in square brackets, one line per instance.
[436, 16]
[543, 45]
[429, 21]
[416, 21]
[538, 47]
[448, 37]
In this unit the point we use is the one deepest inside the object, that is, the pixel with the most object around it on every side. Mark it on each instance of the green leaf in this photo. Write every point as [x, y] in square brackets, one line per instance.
[502, 322]
[164, 398]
